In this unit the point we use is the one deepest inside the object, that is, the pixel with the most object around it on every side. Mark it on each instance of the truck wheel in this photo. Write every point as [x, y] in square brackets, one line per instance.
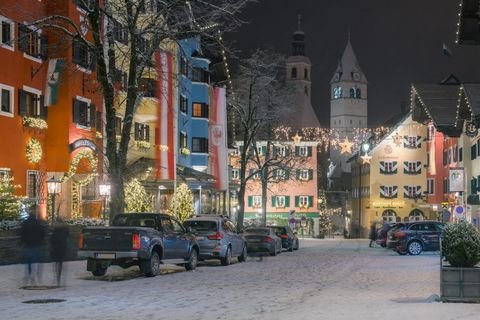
[192, 260]
[243, 256]
[99, 270]
[151, 267]
[228, 257]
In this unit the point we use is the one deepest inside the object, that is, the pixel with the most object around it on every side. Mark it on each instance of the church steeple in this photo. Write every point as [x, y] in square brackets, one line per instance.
[298, 43]
[348, 68]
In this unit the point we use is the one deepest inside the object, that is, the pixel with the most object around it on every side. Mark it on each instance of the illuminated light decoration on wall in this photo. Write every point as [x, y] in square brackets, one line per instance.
[36, 123]
[34, 151]
[185, 151]
[87, 154]
[397, 139]
[163, 147]
[296, 138]
[98, 135]
[346, 146]
[142, 144]
[366, 159]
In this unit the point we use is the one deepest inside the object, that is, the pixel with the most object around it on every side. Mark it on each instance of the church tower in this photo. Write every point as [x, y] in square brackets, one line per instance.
[348, 103]
[299, 77]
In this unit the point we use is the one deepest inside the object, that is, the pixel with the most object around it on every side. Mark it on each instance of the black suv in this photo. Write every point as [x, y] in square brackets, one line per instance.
[289, 238]
[418, 236]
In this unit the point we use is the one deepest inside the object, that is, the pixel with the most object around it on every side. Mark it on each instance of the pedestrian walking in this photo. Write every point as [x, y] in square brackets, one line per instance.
[59, 247]
[373, 234]
[32, 234]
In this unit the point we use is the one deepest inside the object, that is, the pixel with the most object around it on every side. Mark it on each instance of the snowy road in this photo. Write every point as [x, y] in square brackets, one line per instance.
[325, 279]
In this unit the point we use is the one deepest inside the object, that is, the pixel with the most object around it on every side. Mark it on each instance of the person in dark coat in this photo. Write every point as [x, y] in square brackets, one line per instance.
[32, 234]
[373, 234]
[59, 247]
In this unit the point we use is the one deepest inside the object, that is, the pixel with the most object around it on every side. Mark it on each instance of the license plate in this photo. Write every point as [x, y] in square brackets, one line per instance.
[200, 238]
[105, 255]
[254, 240]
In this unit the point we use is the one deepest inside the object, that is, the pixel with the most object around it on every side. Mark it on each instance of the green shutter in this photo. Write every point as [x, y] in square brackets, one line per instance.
[264, 150]
[240, 149]
[297, 151]
[478, 182]
[250, 201]
[297, 200]
[310, 174]
[310, 201]
[274, 174]
[287, 150]
[297, 174]
[309, 151]
[287, 201]
[287, 174]
[273, 201]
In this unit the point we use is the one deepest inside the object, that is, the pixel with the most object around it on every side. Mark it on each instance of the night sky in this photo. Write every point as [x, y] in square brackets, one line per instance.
[397, 42]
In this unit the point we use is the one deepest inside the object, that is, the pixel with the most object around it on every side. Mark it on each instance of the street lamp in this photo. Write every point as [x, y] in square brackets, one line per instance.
[200, 200]
[159, 196]
[365, 148]
[54, 187]
[104, 190]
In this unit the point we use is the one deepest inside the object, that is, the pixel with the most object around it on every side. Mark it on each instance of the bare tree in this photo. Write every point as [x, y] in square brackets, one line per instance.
[261, 101]
[143, 26]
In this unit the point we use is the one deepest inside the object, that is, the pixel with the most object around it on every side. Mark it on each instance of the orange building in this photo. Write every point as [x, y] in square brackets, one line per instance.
[51, 108]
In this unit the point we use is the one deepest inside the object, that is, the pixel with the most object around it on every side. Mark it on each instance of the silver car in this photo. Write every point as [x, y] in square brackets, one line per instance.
[217, 238]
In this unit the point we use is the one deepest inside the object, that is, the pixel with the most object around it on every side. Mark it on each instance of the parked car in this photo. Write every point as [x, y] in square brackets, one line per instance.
[143, 239]
[382, 233]
[416, 237]
[217, 238]
[289, 238]
[263, 239]
[391, 240]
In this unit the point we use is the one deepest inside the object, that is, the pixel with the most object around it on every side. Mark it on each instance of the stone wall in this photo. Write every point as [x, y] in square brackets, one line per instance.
[11, 247]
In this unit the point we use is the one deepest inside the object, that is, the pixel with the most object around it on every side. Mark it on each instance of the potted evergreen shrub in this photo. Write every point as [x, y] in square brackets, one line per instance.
[460, 279]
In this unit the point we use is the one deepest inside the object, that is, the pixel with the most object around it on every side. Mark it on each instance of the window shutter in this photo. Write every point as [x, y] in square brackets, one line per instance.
[274, 174]
[147, 133]
[310, 174]
[205, 110]
[22, 103]
[92, 60]
[136, 130]
[297, 201]
[310, 201]
[43, 108]
[460, 154]
[287, 151]
[250, 201]
[98, 121]
[297, 151]
[287, 174]
[273, 201]
[43, 46]
[274, 152]
[93, 112]
[76, 111]
[297, 176]
[478, 183]
[309, 151]
[287, 201]
[264, 150]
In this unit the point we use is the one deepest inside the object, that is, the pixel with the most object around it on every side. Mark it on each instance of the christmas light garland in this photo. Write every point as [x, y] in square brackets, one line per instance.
[34, 151]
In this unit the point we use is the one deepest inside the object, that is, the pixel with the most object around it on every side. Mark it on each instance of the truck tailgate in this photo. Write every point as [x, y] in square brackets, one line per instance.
[108, 239]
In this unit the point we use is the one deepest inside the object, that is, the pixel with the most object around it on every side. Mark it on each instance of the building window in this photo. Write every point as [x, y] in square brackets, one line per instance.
[304, 174]
[412, 142]
[235, 174]
[6, 32]
[305, 74]
[280, 202]
[200, 75]
[33, 184]
[337, 92]
[200, 145]
[431, 186]
[200, 110]
[89, 192]
[80, 54]
[30, 104]
[280, 150]
[455, 153]
[388, 191]
[303, 201]
[293, 73]
[183, 140]
[412, 167]
[412, 191]
[32, 42]
[5, 173]
[120, 32]
[148, 87]
[183, 104]
[84, 113]
[184, 66]
[256, 201]
[142, 132]
[303, 151]
[388, 167]
[473, 150]
[6, 99]
[85, 4]
[280, 174]
[118, 126]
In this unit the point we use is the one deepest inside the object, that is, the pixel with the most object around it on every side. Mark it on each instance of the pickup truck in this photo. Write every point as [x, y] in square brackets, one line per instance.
[143, 239]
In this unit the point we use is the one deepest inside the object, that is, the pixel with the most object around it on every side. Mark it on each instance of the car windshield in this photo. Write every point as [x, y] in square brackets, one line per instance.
[201, 225]
[262, 231]
[130, 220]
[279, 230]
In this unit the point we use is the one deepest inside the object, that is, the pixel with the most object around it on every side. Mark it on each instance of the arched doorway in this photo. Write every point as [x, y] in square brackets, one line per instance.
[416, 215]
[389, 216]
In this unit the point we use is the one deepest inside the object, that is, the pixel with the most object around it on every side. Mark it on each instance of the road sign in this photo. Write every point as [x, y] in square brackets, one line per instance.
[445, 205]
[458, 211]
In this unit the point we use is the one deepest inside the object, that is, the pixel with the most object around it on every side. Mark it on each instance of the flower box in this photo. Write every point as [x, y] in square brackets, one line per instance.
[459, 284]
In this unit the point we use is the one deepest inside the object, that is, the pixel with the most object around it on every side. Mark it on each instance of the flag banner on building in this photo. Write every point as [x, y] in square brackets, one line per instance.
[456, 180]
[166, 118]
[432, 168]
[55, 67]
[218, 138]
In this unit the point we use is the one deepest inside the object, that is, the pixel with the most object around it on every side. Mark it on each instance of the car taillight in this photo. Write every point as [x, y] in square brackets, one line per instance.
[399, 234]
[80, 241]
[268, 239]
[216, 236]
[284, 236]
[135, 241]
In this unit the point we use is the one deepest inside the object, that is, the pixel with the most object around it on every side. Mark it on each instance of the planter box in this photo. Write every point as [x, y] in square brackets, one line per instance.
[459, 284]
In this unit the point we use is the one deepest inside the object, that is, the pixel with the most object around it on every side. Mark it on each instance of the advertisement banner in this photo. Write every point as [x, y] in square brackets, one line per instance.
[218, 138]
[456, 180]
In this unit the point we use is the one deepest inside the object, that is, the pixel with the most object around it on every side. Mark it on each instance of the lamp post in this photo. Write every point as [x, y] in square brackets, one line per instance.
[200, 200]
[365, 148]
[104, 190]
[54, 187]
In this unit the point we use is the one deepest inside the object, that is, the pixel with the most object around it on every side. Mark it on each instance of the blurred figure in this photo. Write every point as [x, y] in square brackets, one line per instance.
[32, 234]
[373, 234]
[59, 247]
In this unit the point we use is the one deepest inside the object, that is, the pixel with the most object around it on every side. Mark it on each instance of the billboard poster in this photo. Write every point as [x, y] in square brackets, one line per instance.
[456, 177]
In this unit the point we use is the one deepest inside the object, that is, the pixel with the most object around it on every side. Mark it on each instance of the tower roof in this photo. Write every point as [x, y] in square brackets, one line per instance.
[348, 66]
[298, 43]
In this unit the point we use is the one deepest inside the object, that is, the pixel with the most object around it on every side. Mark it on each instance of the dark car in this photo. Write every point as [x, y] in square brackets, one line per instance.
[419, 236]
[289, 238]
[391, 240]
[262, 239]
[217, 238]
[382, 233]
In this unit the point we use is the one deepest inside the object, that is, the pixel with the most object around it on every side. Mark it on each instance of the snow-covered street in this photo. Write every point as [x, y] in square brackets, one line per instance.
[325, 279]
